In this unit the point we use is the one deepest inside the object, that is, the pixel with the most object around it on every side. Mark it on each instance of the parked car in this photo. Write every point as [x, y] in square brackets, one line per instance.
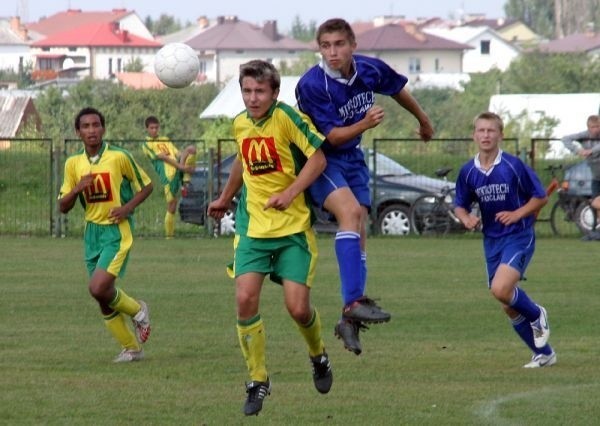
[394, 189]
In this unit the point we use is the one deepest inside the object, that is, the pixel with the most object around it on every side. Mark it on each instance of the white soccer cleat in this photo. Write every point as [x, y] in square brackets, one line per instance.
[129, 355]
[541, 329]
[141, 321]
[541, 360]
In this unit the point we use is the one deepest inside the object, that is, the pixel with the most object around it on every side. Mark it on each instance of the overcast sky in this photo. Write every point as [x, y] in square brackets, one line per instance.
[257, 11]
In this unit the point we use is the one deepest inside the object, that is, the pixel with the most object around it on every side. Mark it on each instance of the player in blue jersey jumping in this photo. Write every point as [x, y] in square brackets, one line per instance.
[509, 194]
[338, 94]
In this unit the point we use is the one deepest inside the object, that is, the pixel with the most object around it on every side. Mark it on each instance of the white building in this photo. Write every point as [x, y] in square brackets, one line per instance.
[489, 50]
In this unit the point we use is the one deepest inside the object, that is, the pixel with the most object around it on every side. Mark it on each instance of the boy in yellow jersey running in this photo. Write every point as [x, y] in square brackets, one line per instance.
[109, 185]
[173, 168]
[278, 157]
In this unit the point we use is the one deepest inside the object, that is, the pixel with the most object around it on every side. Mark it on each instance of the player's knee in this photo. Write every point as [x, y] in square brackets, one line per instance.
[349, 217]
[502, 293]
[299, 313]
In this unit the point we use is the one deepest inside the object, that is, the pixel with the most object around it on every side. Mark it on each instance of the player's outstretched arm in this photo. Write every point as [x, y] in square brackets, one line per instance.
[409, 103]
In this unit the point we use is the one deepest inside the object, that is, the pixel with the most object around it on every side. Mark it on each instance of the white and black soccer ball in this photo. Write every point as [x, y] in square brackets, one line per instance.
[176, 65]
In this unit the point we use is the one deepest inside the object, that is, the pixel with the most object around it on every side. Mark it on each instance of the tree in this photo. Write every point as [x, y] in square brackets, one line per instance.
[125, 109]
[576, 16]
[557, 18]
[134, 65]
[539, 72]
[164, 25]
[300, 66]
[536, 14]
[301, 31]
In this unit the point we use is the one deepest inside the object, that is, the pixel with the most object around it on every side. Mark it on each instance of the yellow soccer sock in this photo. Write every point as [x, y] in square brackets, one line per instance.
[251, 334]
[312, 334]
[117, 326]
[124, 303]
[169, 225]
[190, 160]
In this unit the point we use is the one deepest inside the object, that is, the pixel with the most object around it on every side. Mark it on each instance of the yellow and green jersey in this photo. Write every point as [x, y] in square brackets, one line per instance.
[161, 145]
[272, 151]
[117, 177]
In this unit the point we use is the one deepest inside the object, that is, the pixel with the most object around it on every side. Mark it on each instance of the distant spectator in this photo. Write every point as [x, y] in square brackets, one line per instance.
[587, 145]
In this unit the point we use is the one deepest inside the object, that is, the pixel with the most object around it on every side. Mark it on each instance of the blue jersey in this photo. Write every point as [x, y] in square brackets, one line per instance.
[332, 101]
[507, 186]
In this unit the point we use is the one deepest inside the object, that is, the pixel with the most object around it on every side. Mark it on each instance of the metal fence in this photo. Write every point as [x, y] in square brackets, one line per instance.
[31, 173]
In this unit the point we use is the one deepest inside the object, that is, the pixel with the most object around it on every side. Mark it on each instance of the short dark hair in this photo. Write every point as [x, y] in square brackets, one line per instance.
[593, 119]
[88, 111]
[336, 25]
[488, 115]
[261, 71]
[151, 120]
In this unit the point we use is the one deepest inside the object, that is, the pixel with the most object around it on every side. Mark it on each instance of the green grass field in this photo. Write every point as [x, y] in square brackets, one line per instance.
[448, 356]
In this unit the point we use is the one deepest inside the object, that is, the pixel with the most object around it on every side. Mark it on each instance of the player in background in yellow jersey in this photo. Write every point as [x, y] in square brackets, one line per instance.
[109, 185]
[173, 167]
[278, 157]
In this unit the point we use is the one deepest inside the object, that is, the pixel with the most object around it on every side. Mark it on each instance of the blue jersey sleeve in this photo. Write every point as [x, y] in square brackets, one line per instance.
[314, 101]
[464, 196]
[382, 78]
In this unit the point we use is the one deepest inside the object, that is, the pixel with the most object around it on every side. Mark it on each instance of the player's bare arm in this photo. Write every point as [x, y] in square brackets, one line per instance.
[340, 135]
[67, 201]
[219, 207]
[529, 208]
[118, 214]
[312, 169]
[469, 221]
[409, 103]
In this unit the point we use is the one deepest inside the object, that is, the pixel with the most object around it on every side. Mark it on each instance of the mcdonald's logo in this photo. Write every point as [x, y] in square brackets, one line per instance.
[100, 190]
[260, 155]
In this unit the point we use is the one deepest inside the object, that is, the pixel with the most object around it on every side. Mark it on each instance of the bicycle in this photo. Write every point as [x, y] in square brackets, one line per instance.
[433, 214]
[570, 215]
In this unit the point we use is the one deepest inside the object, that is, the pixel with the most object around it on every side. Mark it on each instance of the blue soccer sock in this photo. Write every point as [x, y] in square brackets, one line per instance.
[363, 270]
[523, 329]
[347, 250]
[524, 305]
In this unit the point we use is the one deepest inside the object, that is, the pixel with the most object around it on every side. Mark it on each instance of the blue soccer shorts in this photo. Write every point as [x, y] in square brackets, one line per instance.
[344, 169]
[515, 250]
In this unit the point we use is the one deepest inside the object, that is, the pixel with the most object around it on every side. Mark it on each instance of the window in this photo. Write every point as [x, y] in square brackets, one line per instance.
[437, 65]
[485, 47]
[202, 69]
[414, 65]
[110, 66]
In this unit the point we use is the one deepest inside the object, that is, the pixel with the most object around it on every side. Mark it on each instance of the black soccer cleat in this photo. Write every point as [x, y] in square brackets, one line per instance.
[365, 310]
[322, 374]
[257, 392]
[348, 332]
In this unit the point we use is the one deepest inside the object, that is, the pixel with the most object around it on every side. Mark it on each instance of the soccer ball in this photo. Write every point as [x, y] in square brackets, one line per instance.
[176, 65]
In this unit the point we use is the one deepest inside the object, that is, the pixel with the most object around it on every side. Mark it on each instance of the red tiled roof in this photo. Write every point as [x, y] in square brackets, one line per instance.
[235, 34]
[98, 34]
[73, 18]
[573, 43]
[396, 37]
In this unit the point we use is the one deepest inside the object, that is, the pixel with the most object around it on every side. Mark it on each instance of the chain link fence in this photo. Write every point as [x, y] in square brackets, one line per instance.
[31, 174]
